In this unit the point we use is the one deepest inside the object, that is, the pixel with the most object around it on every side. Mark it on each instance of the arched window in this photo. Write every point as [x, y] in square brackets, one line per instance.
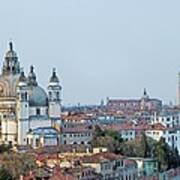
[26, 96]
[38, 112]
[50, 95]
[22, 96]
[58, 95]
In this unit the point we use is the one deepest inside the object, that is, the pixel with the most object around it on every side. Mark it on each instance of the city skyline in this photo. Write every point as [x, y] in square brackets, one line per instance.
[97, 54]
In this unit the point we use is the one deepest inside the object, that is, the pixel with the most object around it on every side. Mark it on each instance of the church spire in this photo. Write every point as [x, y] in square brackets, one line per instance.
[145, 92]
[10, 46]
[145, 95]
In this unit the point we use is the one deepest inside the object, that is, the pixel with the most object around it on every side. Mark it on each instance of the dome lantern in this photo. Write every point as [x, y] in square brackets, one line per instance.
[54, 78]
[32, 77]
[11, 64]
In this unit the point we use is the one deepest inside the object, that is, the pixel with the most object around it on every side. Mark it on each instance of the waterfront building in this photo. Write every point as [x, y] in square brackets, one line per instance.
[24, 104]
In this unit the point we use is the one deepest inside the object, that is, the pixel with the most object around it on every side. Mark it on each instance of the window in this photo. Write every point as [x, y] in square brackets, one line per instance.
[37, 142]
[58, 95]
[50, 95]
[22, 96]
[118, 163]
[26, 96]
[38, 112]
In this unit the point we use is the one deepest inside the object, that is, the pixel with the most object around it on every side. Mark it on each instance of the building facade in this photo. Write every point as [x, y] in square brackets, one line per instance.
[24, 105]
[145, 103]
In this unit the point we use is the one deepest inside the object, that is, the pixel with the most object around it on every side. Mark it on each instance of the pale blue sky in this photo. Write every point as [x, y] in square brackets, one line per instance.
[101, 48]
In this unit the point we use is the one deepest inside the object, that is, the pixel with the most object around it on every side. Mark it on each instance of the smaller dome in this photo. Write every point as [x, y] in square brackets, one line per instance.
[22, 77]
[22, 81]
[37, 96]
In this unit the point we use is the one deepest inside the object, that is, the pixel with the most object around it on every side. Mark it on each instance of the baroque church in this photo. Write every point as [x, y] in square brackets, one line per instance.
[24, 105]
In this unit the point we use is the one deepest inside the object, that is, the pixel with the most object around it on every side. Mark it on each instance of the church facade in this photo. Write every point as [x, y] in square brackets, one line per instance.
[24, 105]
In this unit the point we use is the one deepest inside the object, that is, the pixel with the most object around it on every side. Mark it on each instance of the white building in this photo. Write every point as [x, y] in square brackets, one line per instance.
[168, 119]
[171, 135]
[24, 105]
[42, 137]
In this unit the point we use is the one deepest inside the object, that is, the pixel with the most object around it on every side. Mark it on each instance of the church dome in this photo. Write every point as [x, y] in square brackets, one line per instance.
[37, 96]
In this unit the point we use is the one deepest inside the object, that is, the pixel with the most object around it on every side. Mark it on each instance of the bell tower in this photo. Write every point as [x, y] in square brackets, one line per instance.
[54, 97]
[22, 110]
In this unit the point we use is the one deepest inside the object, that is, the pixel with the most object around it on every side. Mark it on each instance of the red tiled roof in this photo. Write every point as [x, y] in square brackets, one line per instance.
[77, 129]
[59, 175]
[97, 158]
[127, 126]
[157, 126]
[76, 117]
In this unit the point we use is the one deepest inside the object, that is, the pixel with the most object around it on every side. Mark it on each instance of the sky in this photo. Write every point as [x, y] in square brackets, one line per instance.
[101, 48]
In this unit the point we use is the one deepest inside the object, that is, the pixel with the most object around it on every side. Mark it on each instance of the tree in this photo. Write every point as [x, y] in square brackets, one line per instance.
[98, 132]
[173, 158]
[17, 164]
[4, 148]
[5, 175]
[162, 154]
[107, 138]
[145, 146]
[134, 148]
